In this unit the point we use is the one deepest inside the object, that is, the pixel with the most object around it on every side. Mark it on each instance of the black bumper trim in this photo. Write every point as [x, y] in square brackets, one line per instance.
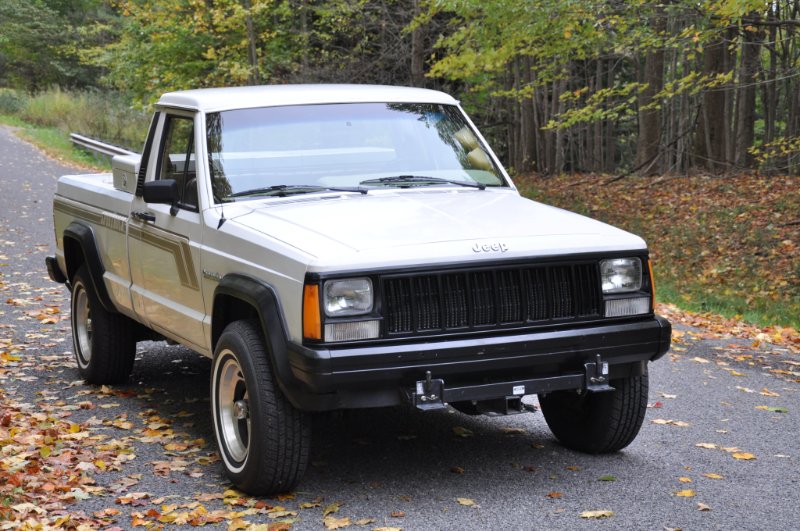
[349, 371]
[55, 273]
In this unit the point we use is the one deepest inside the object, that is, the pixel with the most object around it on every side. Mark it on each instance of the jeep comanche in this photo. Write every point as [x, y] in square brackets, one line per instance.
[341, 246]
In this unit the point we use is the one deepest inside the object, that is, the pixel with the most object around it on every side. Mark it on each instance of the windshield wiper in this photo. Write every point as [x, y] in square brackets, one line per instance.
[412, 180]
[282, 190]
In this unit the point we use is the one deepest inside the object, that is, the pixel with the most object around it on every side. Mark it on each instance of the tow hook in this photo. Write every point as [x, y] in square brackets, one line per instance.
[597, 375]
[429, 393]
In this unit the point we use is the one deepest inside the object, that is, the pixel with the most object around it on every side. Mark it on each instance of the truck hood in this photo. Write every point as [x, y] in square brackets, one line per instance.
[393, 228]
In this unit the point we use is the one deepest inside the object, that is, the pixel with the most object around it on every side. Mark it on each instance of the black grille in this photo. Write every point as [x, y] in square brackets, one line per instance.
[487, 298]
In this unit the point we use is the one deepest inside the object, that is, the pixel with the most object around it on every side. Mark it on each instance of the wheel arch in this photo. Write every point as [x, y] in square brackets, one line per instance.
[242, 297]
[80, 247]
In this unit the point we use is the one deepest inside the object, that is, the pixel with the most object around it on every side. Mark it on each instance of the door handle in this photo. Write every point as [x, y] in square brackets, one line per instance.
[144, 216]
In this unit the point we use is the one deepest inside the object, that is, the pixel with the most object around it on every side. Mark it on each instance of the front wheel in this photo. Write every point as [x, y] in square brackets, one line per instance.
[264, 441]
[598, 423]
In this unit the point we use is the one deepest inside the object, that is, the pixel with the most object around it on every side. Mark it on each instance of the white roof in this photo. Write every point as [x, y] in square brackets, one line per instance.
[220, 99]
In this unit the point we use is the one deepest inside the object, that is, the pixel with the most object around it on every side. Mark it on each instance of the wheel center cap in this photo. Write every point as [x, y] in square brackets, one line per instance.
[241, 409]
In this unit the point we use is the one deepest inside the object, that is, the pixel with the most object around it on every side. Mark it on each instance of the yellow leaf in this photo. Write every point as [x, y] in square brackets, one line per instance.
[331, 522]
[687, 493]
[711, 475]
[330, 509]
[767, 392]
[45, 451]
[707, 446]
[685, 480]
[743, 456]
[597, 514]
[466, 501]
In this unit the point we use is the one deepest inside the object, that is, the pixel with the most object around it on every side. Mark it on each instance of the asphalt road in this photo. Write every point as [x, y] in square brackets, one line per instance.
[396, 467]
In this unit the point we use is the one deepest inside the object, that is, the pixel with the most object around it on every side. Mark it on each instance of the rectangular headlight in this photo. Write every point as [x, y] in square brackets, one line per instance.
[352, 296]
[621, 275]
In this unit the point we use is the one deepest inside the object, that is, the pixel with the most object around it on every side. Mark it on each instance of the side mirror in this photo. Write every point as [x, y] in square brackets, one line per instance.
[164, 191]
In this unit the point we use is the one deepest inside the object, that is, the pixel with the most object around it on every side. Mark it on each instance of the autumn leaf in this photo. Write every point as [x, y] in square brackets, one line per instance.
[466, 502]
[397, 514]
[555, 495]
[462, 432]
[607, 478]
[364, 521]
[685, 480]
[457, 470]
[773, 409]
[331, 509]
[767, 392]
[331, 522]
[743, 456]
[687, 493]
[707, 446]
[597, 514]
[703, 507]
[678, 423]
[711, 475]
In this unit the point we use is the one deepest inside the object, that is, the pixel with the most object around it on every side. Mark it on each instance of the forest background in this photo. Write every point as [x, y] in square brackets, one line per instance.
[678, 120]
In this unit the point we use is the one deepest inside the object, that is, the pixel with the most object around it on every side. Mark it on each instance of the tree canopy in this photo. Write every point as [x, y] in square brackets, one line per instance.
[558, 85]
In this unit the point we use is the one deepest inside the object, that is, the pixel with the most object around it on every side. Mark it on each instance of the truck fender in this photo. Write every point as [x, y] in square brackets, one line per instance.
[83, 236]
[262, 300]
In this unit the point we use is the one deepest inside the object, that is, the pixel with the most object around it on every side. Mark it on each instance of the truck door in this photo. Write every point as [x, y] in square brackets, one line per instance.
[164, 240]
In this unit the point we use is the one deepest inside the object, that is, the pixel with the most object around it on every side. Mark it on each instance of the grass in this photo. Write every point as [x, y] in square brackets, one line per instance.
[48, 118]
[724, 245]
[56, 144]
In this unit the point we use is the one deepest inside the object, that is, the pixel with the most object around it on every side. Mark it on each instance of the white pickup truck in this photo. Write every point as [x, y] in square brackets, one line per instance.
[341, 246]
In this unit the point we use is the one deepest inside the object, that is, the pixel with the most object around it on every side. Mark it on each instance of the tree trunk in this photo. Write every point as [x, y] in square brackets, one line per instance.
[648, 148]
[750, 63]
[712, 129]
[417, 50]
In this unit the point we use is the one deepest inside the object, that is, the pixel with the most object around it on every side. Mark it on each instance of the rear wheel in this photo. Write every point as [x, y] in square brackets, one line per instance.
[104, 342]
[598, 423]
[264, 441]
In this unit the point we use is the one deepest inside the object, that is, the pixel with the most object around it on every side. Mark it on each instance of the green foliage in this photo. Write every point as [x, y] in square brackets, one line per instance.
[101, 115]
[40, 39]
[11, 101]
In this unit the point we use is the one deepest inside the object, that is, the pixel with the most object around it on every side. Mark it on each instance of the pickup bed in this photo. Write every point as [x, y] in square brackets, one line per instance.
[342, 246]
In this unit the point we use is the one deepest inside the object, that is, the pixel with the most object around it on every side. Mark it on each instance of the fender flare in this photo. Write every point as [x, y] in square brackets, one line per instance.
[263, 298]
[83, 234]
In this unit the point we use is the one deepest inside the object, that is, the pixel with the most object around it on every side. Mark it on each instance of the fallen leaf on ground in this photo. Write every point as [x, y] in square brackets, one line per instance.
[767, 392]
[607, 478]
[331, 522]
[398, 514]
[457, 470]
[462, 432]
[466, 501]
[555, 495]
[703, 507]
[685, 480]
[743, 456]
[678, 423]
[707, 446]
[686, 493]
[597, 514]
[330, 509]
[773, 409]
[711, 475]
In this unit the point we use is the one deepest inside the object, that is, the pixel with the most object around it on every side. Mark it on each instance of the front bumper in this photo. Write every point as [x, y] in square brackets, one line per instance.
[480, 367]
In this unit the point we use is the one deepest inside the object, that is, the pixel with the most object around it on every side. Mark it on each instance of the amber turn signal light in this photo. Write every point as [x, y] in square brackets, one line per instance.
[312, 324]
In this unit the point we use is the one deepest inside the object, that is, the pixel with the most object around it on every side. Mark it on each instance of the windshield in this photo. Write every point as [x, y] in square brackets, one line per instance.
[254, 152]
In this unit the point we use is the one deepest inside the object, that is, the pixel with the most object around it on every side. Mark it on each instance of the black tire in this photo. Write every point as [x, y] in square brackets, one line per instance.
[263, 440]
[598, 423]
[104, 343]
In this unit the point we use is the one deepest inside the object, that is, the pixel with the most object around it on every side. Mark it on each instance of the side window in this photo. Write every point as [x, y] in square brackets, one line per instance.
[177, 160]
